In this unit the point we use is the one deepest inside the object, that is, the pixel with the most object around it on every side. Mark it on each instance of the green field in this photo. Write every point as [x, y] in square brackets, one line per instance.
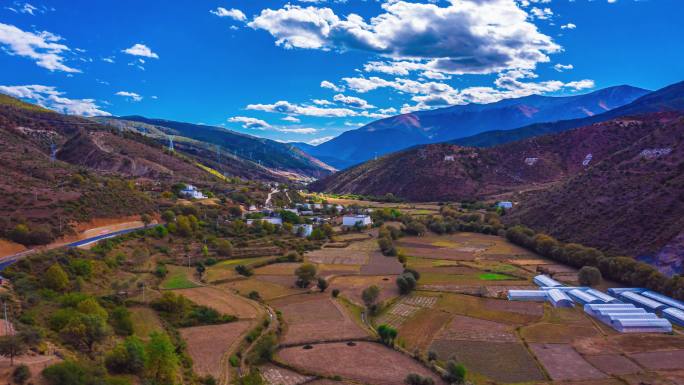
[177, 278]
[495, 277]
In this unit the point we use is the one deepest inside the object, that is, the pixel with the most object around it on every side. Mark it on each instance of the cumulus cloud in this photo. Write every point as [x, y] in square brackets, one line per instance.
[141, 50]
[252, 123]
[331, 86]
[563, 67]
[43, 47]
[291, 119]
[568, 26]
[465, 37]
[50, 97]
[234, 14]
[302, 130]
[132, 96]
[285, 107]
[353, 101]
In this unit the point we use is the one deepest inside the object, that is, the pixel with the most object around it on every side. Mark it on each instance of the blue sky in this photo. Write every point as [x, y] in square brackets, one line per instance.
[307, 70]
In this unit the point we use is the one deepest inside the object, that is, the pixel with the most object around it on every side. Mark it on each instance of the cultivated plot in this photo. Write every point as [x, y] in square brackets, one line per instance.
[209, 345]
[222, 300]
[563, 363]
[365, 362]
[315, 318]
[352, 286]
[275, 375]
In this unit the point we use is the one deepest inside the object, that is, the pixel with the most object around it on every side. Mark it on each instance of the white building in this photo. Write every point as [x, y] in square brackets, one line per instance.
[191, 191]
[271, 220]
[352, 220]
[505, 205]
[295, 211]
[305, 231]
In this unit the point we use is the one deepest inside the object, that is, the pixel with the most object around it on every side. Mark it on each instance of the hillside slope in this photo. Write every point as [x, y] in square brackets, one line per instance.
[91, 175]
[251, 152]
[439, 125]
[631, 203]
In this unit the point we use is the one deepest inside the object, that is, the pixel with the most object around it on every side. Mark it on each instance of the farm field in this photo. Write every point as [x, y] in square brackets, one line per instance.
[269, 287]
[365, 362]
[223, 301]
[316, 318]
[352, 286]
[210, 346]
[275, 375]
[225, 270]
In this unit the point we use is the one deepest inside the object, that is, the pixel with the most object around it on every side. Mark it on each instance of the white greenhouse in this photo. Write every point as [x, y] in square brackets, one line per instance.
[559, 298]
[643, 326]
[527, 295]
[643, 302]
[663, 299]
[546, 281]
[676, 316]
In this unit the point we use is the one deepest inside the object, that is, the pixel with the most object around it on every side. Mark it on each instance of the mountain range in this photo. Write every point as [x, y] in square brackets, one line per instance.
[445, 124]
[614, 182]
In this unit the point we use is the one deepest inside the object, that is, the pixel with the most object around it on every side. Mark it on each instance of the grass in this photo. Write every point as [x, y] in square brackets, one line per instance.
[177, 278]
[145, 321]
[495, 277]
[226, 269]
[267, 290]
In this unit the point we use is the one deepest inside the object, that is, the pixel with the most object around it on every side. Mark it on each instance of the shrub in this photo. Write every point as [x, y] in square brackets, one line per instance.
[21, 374]
[335, 293]
[589, 276]
[244, 270]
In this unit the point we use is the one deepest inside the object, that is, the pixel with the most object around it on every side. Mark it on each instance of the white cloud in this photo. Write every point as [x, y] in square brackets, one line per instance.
[49, 97]
[331, 86]
[467, 36]
[109, 59]
[541, 13]
[43, 47]
[285, 107]
[317, 141]
[568, 26]
[234, 14]
[298, 130]
[252, 123]
[132, 96]
[563, 67]
[353, 101]
[291, 119]
[141, 50]
[322, 102]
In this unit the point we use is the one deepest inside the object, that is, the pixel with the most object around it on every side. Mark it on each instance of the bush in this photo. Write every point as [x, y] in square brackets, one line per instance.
[589, 276]
[335, 293]
[416, 379]
[456, 373]
[21, 374]
[244, 270]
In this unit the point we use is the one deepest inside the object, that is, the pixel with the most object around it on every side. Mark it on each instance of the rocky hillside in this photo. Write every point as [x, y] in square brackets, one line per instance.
[439, 125]
[630, 202]
[258, 158]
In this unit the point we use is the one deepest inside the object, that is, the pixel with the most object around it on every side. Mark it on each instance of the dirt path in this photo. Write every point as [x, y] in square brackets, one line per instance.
[270, 195]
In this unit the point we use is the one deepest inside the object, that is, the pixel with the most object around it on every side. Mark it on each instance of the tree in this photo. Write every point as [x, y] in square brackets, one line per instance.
[162, 362]
[305, 274]
[66, 373]
[200, 269]
[128, 356]
[169, 216]
[416, 228]
[290, 217]
[146, 219]
[55, 278]
[416, 379]
[322, 284]
[589, 276]
[244, 270]
[335, 293]
[120, 319]
[21, 374]
[387, 334]
[12, 346]
[370, 296]
[224, 248]
[456, 373]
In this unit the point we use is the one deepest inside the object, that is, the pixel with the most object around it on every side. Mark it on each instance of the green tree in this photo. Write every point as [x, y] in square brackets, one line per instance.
[416, 379]
[146, 219]
[12, 346]
[456, 373]
[162, 363]
[322, 284]
[67, 373]
[169, 216]
[370, 297]
[128, 356]
[305, 274]
[120, 319]
[224, 247]
[387, 334]
[589, 276]
[21, 374]
[55, 278]
[90, 306]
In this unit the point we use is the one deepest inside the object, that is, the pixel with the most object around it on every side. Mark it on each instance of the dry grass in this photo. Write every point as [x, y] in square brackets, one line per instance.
[268, 287]
[562, 362]
[352, 286]
[145, 322]
[223, 301]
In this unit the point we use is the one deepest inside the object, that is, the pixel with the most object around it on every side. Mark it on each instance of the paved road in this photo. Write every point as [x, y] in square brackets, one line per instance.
[6, 261]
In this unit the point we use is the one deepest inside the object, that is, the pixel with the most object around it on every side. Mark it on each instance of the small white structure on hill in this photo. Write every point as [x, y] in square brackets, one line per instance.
[303, 230]
[505, 205]
[353, 220]
[191, 191]
[449, 158]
